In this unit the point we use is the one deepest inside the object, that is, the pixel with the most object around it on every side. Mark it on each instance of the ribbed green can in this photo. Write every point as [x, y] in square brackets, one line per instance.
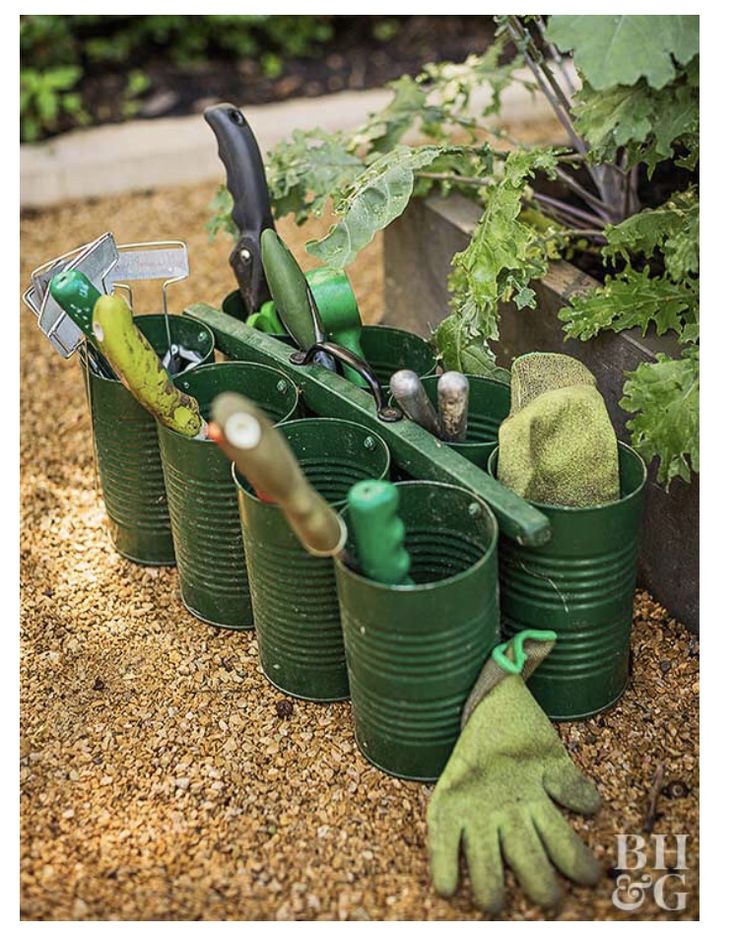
[295, 608]
[489, 402]
[387, 350]
[581, 584]
[203, 502]
[127, 453]
[414, 652]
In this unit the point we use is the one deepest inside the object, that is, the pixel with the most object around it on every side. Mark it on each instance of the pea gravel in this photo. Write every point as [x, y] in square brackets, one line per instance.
[162, 776]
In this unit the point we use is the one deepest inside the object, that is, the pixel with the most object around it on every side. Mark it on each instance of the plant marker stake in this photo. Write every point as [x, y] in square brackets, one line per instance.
[413, 400]
[379, 532]
[262, 455]
[453, 397]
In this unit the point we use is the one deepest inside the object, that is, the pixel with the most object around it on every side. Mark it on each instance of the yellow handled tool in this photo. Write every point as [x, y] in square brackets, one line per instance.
[139, 368]
[262, 455]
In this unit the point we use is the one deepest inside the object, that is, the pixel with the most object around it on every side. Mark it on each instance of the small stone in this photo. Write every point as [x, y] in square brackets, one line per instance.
[284, 709]
[665, 665]
[99, 685]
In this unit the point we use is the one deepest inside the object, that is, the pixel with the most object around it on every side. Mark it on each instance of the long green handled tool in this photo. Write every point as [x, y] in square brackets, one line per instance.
[413, 449]
[262, 455]
[379, 532]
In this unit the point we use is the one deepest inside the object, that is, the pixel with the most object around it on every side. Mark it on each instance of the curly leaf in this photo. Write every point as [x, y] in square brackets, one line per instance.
[631, 299]
[375, 198]
[470, 355]
[673, 227]
[504, 253]
[665, 397]
[611, 50]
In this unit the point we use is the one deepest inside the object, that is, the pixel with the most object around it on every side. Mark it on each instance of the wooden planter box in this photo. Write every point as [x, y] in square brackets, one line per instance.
[418, 248]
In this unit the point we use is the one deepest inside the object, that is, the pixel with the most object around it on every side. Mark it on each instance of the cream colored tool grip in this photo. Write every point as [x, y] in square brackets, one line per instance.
[139, 368]
[262, 455]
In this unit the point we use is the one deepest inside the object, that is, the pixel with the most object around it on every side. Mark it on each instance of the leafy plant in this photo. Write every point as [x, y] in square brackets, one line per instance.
[634, 107]
[45, 95]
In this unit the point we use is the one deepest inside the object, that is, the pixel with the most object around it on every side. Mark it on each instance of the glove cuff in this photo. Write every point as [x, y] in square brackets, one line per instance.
[519, 656]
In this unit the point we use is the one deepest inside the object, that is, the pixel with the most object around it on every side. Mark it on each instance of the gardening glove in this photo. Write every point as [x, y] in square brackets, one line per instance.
[557, 445]
[495, 796]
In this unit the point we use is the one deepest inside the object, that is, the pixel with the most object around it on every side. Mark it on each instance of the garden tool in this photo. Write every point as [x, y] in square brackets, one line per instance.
[139, 368]
[557, 446]
[379, 532]
[251, 214]
[262, 455]
[413, 400]
[496, 797]
[453, 392]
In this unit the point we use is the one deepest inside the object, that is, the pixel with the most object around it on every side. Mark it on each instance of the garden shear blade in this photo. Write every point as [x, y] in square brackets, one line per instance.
[251, 213]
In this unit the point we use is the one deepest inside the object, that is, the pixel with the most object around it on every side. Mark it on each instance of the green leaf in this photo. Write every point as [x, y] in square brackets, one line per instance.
[631, 299]
[665, 397]
[221, 207]
[305, 171]
[377, 196]
[504, 253]
[647, 123]
[611, 50]
[471, 355]
[673, 227]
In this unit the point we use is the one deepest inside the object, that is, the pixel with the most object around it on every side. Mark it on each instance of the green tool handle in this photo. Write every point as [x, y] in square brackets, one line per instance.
[412, 448]
[373, 507]
[260, 453]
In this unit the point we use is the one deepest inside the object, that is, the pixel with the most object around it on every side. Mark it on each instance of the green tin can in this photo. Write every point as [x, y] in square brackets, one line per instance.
[414, 652]
[581, 584]
[387, 350]
[489, 403]
[295, 608]
[127, 452]
[203, 502]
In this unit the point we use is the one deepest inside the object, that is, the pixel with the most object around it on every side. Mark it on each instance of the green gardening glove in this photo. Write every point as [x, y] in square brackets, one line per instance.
[496, 795]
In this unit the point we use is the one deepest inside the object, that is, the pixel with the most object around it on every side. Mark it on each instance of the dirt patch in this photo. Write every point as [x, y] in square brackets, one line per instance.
[162, 777]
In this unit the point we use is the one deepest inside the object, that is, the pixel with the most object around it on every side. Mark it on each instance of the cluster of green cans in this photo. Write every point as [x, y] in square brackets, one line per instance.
[406, 656]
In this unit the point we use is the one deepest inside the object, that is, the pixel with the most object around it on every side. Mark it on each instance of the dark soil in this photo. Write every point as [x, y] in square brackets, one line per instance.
[355, 59]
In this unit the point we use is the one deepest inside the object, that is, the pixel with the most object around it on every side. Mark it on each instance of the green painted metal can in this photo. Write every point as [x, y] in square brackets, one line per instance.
[414, 652]
[488, 405]
[295, 608]
[203, 502]
[387, 350]
[581, 584]
[127, 452]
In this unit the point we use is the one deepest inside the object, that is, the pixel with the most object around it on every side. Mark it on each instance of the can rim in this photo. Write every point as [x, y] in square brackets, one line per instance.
[238, 365]
[338, 504]
[570, 510]
[488, 554]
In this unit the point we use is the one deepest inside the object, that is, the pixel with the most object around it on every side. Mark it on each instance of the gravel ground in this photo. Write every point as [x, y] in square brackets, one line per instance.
[158, 778]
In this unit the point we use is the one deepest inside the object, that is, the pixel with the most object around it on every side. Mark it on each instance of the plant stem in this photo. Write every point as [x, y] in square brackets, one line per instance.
[569, 209]
[600, 207]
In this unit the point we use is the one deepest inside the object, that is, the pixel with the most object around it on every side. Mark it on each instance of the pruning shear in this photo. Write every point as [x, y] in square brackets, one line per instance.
[251, 214]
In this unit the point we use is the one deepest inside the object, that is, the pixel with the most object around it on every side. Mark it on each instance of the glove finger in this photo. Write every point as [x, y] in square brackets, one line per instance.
[523, 851]
[443, 842]
[567, 785]
[564, 847]
[485, 867]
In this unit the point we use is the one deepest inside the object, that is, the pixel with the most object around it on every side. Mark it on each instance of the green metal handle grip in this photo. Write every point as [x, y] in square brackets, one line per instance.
[290, 291]
[74, 292]
[139, 368]
[379, 532]
[412, 448]
[262, 455]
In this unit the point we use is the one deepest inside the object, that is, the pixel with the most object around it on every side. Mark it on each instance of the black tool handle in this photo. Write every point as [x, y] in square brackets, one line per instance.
[246, 182]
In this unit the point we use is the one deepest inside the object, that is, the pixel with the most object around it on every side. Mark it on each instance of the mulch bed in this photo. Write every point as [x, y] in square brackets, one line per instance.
[162, 776]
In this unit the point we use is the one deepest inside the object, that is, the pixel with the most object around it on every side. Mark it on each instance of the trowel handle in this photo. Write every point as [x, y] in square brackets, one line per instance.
[262, 455]
[453, 396]
[76, 295]
[413, 400]
[246, 177]
[379, 532]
